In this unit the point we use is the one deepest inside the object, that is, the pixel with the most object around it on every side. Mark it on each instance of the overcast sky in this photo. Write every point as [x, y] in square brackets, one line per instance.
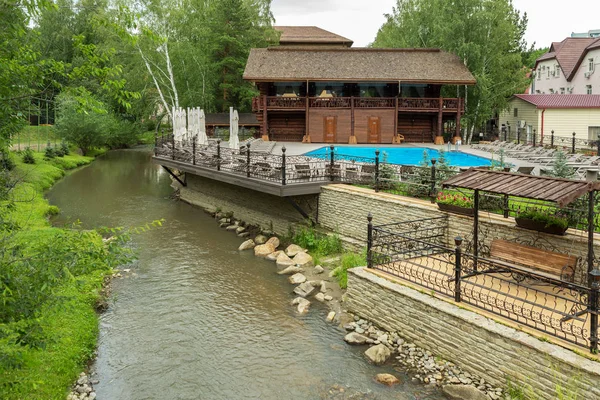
[549, 20]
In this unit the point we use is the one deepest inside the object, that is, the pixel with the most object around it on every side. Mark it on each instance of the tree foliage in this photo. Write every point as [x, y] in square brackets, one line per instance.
[487, 35]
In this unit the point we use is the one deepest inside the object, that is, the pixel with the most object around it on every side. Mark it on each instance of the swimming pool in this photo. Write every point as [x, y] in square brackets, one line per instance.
[403, 155]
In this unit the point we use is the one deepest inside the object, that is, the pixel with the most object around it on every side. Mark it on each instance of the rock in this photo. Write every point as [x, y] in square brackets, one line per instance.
[349, 327]
[303, 260]
[330, 316]
[293, 249]
[303, 304]
[263, 250]
[323, 286]
[240, 229]
[247, 245]
[378, 354]
[328, 297]
[387, 379]
[319, 269]
[260, 239]
[223, 221]
[297, 278]
[223, 225]
[283, 260]
[304, 289]
[320, 297]
[355, 338]
[273, 256]
[274, 241]
[463, 392]
[92, 396]
[231, 227]
[359, 330]
[292, 269]
[244, 234]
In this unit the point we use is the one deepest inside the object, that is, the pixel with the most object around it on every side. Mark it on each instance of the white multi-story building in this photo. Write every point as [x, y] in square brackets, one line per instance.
[569, 67]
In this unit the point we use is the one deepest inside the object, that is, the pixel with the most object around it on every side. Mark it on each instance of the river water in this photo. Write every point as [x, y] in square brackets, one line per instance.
[195, 318]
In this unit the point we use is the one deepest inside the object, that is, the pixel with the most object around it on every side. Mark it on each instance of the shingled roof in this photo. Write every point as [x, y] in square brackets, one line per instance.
[307, 35]
[542, 101]
[569, 53]
[356, 64]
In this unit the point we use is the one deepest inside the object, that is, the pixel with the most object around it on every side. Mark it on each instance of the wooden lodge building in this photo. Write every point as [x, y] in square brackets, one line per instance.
[315, 87]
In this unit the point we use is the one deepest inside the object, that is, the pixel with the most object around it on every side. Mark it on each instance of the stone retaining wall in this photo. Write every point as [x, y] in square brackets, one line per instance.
[477, 344]
[256, 208]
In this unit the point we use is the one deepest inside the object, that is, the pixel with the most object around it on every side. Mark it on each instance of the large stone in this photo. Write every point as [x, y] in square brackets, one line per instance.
[263, 250]
[240, 229]
[297, 279]
[319, 269]
[247, 245]
[330, 316]
[378, 354]
[274, 241]
[303, 260]
[232, 227]
[320, 297]
[463, 392]
[260, 239]
[273, 256]
[283, 260]
[387, 379]
[293, 249]
[323, 286]
[291, 270]
[304, 289]
[302, 304]
[355, 338]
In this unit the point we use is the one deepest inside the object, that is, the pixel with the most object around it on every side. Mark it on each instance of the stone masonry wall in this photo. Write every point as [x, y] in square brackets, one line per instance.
[477, 344]
[344, 209]
[248, 205]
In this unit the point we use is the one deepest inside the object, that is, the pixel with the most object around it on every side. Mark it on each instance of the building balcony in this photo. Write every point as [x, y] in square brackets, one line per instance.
[403, 104]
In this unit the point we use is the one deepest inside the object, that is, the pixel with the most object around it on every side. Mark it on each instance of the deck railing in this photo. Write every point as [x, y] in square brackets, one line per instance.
[418, 252]
[403, 103]
[285, 169]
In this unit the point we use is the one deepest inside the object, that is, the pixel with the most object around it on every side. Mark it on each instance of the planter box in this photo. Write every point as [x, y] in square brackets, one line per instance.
[456, 209]
[530, 224]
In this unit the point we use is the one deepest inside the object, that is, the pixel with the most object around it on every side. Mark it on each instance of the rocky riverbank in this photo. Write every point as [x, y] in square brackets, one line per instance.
[314, 282]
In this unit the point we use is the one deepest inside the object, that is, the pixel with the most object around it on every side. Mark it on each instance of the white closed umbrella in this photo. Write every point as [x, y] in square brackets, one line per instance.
[202, 138]
[234, 140]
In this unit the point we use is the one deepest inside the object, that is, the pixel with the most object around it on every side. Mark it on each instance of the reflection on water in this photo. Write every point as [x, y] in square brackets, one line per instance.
[196, 319]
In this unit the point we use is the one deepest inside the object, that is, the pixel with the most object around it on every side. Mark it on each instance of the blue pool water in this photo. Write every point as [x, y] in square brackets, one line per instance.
[403, 155]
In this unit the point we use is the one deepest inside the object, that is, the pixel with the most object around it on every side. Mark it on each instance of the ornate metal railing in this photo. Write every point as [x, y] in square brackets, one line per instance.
[285, 169]
[418, 251]
[403, 103]
[569, 143]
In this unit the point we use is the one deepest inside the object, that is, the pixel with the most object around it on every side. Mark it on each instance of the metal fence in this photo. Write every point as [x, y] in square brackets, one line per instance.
[418, 181]
[569, 142]
[417, 251]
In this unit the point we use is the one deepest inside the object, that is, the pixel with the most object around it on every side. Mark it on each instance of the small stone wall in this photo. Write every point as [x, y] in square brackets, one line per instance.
[475, 343]
[344, 209]
[256, 208]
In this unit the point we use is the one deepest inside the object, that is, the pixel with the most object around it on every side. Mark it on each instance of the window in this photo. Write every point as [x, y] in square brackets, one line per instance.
[539, 74]
[516, 112]
[551, 91]
[557, 71]
[593, 132]
[548, 75]
[588, 89]
[591, 65]
[562, 90]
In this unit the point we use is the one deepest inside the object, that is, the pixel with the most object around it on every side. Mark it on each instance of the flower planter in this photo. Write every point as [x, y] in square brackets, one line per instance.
[456, 209]
[539, 226]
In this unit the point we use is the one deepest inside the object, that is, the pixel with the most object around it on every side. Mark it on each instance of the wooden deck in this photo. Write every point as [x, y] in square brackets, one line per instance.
[259, 185]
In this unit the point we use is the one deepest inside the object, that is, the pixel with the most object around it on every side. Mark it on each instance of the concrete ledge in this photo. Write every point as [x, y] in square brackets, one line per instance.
[472, 341]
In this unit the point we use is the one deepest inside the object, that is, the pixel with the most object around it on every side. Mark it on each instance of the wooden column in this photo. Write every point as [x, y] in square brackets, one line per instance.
[352, 139]
[396, 138]
[265, 134]
[439, 139]
[458, 115]
[306, 138]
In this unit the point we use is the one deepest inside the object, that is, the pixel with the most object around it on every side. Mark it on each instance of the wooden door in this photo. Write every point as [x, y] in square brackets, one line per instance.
[329, 129]
[374, 130]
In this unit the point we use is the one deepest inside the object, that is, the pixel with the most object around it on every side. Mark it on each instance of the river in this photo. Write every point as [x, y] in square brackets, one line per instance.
[195, 318]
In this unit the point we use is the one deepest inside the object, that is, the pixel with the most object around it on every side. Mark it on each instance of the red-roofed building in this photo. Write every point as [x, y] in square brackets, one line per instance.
[563, 114]
[569, 68]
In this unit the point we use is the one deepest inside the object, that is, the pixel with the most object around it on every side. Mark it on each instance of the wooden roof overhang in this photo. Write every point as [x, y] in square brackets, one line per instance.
[557, 190]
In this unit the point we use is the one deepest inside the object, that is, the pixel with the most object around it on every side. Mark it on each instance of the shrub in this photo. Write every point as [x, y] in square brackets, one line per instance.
[6, 160]
[49, 152]
[549, 220]
[322, 244]
[28, 157]
[52, 211]
[454, 198]
[65, 148]
[349, 260]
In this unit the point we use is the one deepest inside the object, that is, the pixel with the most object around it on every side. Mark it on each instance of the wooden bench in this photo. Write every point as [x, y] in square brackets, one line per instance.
[543, 262]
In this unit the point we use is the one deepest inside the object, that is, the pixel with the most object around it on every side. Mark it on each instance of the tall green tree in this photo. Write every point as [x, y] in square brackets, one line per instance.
[486, 34]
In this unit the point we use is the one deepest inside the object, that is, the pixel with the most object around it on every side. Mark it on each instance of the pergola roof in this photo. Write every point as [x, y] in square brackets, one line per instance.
[558, 190]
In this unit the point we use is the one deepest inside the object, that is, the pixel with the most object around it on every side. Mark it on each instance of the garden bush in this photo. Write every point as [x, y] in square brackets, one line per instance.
[28, 157]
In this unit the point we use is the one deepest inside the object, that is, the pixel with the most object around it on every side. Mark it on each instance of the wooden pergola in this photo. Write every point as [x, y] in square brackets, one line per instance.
[560, 191]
